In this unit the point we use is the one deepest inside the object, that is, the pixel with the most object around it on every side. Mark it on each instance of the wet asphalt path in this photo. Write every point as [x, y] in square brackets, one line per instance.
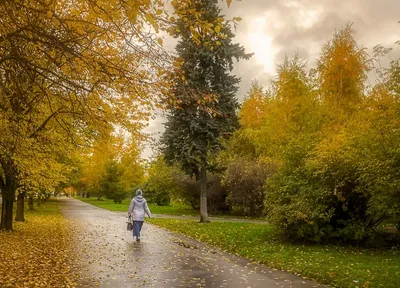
[110, 258]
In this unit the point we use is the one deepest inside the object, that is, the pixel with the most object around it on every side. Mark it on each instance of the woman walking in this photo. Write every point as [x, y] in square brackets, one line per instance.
[137, 208]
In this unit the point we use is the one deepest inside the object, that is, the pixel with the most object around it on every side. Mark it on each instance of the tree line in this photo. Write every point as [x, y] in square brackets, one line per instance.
[74, 75]
[69, 70]
[316, 151]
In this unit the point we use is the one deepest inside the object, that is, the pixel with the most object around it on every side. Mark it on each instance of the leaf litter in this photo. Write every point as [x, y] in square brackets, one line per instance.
[38, 252]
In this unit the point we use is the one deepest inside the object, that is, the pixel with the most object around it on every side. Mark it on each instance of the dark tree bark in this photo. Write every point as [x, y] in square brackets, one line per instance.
[20, 207]
[7, 205]
[30, 203]
[8, 188]
[203, 195]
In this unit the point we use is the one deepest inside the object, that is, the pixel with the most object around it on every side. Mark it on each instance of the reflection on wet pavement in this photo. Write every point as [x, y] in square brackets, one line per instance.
[110, 257]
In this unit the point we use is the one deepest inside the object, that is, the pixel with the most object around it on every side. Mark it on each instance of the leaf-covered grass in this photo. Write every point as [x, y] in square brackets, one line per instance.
[36, 253]
[338, 266]
[172, 209]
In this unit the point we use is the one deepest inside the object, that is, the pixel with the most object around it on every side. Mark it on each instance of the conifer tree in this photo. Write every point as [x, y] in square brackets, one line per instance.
[204, 89]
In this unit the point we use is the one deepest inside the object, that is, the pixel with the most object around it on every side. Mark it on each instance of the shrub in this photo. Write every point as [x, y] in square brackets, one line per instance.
[161, 183]
[244, 180]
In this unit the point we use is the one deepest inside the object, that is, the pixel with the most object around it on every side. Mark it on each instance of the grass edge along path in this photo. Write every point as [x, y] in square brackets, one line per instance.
[174, 209]
[37, 253]
[327, 264]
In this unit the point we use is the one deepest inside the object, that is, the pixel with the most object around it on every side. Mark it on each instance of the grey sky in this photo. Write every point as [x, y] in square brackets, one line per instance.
[274, 28]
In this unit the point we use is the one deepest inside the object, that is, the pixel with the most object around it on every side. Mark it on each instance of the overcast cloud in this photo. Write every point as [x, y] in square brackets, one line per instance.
[272, 29]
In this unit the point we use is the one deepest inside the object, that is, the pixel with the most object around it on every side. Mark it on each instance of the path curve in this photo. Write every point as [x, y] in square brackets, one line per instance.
[111, 258]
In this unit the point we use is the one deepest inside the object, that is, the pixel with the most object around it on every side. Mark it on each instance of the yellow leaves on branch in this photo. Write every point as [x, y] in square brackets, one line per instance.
[38, 253]
[96, 58]
[204, 31]
[254, 107]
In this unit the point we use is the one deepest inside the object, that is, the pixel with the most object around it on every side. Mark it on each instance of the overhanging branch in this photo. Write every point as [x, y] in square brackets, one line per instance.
[43, 125]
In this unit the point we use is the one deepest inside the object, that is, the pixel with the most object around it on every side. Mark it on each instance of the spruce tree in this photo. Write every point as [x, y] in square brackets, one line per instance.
[204, 110]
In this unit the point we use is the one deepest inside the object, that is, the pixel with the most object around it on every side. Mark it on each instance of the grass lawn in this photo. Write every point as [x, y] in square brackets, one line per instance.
[36, 253]
[173, 209]
[338, 266]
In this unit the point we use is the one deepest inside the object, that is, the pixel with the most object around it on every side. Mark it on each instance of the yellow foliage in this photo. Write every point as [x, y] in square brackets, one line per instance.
[201, 28]
[254, 107]
[342, 72]
[67, 69]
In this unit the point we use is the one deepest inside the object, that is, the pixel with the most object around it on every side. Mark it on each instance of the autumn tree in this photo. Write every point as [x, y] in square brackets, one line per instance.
[377, 135]
[112, 157]
[66, 68]
[342, 71]
[110, 182]
[132, 170]
[102, 150]
[254, 107]
[161, 184]
[314, 195]
[40, 176]
[204, 88]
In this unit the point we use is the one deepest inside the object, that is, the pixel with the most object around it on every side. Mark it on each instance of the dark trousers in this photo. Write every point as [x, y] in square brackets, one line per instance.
[137, 227]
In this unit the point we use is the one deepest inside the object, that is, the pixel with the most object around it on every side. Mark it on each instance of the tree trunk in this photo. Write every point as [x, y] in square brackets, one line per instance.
[30, 203]
[8, 193]
[8, 189]
[20, 207]
[39, 201]
[203, 195]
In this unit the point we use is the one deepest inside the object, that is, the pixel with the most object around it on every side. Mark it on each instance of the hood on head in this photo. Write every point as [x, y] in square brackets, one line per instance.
[139, 198]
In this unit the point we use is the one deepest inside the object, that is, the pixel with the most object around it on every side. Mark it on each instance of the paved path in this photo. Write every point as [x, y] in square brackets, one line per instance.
[112, 259]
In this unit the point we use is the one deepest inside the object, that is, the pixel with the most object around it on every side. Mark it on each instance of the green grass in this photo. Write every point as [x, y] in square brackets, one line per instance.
[173, 209]
[338, 266]
[49, 207]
